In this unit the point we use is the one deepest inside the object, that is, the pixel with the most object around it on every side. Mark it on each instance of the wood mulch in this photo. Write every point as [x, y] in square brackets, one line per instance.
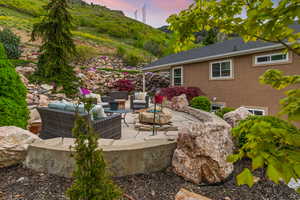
[18, 183]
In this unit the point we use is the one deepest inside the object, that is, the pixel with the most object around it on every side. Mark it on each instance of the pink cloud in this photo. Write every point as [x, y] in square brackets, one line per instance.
[175, 5]
[114, 4]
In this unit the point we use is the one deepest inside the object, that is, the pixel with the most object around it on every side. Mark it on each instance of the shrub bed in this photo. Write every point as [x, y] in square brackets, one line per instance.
[202, 103]
[190, 92]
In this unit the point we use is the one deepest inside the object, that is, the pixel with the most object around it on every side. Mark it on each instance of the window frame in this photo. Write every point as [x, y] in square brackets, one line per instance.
[271, 62]
[220, 104]
[221, 77]
[173, 77]
[257, 109]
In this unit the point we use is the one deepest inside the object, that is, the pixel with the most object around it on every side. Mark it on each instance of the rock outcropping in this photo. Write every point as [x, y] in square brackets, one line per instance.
[202, 150]
[178, 103]
[14, 142]
[234, 117]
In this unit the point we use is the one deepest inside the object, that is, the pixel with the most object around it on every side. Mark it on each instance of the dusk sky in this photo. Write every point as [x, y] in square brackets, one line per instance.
[157, 10]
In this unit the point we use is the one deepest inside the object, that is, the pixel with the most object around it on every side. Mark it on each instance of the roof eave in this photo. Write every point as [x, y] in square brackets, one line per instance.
[231, 54]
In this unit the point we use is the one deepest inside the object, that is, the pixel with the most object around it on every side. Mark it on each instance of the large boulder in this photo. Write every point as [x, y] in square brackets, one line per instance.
[178, 103]
[14, 142]
[202, 150]
[234, 117]
[184, 194]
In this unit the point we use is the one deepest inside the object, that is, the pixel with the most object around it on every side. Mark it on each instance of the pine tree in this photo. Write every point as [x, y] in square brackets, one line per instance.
[92, 181]
[57, 48]
[13, 106]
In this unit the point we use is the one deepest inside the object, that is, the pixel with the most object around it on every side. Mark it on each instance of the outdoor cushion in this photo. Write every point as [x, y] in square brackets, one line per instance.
[140, 95]
[104, 104]
[58, 105]
[95, 96]
[71, 107]
[139, 101]
[98, 112]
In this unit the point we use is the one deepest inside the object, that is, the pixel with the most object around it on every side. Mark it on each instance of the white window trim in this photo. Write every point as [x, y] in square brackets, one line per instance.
[181, 67]
[271, 62]
[223, 77]
[257, 109]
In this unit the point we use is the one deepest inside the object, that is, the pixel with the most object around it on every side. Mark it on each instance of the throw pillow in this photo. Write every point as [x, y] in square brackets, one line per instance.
[98, 113]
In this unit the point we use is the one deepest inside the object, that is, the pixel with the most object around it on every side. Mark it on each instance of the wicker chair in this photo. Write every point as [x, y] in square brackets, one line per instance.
[57, 123]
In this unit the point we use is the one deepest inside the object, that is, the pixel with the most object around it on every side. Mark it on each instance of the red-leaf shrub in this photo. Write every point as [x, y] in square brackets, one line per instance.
[124, 85]
[190, 92]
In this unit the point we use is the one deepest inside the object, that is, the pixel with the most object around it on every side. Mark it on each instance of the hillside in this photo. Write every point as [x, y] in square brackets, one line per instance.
[99, 25]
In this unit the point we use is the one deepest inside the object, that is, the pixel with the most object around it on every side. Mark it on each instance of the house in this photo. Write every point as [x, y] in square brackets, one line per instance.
[228, 72]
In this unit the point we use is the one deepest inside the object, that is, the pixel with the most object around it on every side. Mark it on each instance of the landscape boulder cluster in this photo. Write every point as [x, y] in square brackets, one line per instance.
[98, 75]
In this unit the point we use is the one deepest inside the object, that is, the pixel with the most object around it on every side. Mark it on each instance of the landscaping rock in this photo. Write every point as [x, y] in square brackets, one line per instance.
[201, 152]
[14, 142]
[161, 118]
[44, 100]
[178, 103]
[34, 116]
[237, 115]
[184, 194]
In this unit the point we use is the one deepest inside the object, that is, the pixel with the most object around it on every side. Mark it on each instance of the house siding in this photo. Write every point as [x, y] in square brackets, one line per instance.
[244, 89]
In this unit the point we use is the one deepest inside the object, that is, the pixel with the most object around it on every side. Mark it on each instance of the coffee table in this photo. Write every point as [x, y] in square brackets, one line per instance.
[123, 113]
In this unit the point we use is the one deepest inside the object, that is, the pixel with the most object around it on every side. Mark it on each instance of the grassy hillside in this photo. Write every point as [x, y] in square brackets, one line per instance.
[98, 24]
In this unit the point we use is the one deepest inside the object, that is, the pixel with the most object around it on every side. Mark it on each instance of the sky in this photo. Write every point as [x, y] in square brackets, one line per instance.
[157, 10]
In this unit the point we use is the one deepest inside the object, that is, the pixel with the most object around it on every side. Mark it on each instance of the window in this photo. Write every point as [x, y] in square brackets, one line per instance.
[216, 106]
[271, 58]
[220, 70]
[256, 111]
[177, 76]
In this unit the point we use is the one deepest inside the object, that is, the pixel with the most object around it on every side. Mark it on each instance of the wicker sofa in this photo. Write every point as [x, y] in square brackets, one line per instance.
[57, 123]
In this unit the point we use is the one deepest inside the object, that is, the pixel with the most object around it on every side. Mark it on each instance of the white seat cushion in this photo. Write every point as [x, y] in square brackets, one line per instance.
[104, 104]
[98, 112]
[140, 95]
[139, 101]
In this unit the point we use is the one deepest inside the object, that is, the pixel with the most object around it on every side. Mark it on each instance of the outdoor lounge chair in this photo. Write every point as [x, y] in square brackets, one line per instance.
[58, 123]
[136, 104]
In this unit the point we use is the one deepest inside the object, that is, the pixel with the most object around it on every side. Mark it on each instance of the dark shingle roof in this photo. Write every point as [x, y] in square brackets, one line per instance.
[225, 47]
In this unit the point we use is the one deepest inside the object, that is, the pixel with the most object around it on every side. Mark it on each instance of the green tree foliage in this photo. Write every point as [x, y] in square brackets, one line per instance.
[11, 43]
[266, 20]
[57, 48]
[290, 105]
[202, 103]
[91, 178]
[268, 141]
[221, 112]
[13, 106]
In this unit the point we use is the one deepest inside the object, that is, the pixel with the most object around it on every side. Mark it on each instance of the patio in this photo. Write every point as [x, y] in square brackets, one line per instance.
[179, 120]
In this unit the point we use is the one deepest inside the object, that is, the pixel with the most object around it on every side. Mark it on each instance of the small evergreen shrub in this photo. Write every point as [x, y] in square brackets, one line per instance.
[11, 43]
[190, 92]
[223, 111]
[201, 103]
[13, 106]
[91, 179]
[246, 127]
